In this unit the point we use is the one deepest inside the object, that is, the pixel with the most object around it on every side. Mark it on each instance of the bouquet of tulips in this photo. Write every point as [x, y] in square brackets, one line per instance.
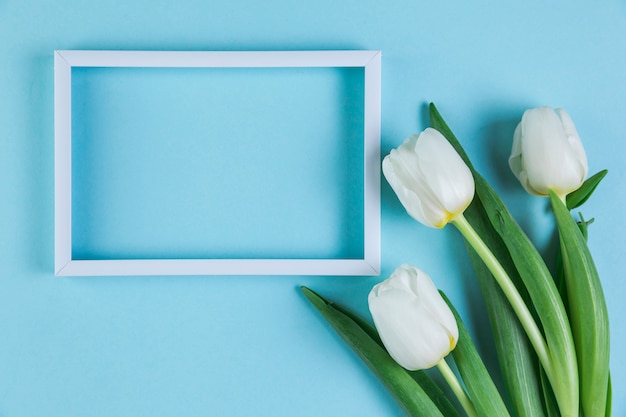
[551, 330]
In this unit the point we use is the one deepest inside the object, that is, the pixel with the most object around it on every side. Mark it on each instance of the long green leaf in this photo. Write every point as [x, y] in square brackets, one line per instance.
[609, 399]
[407, 392]
[548, 397]
[518, 361]
[363, 324]
[481, 389]
[563, 373]
[435, 393]
[588, 312]
[559, 272]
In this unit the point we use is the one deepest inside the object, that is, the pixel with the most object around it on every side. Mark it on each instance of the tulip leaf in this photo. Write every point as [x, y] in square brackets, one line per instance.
[518, 361]
[578, 197]
[363, 324]
[559, 273]
[537, 279]
[435, 393]
[410, 395]
[609, 398]
[588, 311]
[548, 397]
[481, 389]
[561, 283]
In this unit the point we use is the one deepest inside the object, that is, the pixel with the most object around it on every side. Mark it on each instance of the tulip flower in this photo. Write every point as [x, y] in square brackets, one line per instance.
[429, 177]
[547, 153]
[414, 322]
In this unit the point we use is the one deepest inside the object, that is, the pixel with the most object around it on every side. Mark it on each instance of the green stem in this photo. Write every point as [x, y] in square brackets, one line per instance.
[510, 291]
[456, 387]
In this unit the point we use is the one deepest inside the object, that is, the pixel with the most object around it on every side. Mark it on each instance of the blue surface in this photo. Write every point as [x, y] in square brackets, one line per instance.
[217, 163]
[241, 346]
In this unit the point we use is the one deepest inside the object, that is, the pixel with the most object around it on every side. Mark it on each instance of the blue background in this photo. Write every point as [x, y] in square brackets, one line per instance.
[243, 346]
[217, 163]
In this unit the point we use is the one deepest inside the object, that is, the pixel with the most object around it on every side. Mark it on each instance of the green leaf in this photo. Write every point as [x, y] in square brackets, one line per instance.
[578, 197]
[363, 324]
[481, 389]
[548, 397]
[517, 359]
[588, 311]
[435, 393]
[407, 392]
[609, 399]
[534, 273]
[559, 273]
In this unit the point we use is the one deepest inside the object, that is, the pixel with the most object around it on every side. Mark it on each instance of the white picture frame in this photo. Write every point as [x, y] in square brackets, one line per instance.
[65, 60]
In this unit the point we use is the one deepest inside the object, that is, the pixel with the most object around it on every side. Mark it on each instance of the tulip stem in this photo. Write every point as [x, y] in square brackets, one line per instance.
[510, 291]
[456, 387]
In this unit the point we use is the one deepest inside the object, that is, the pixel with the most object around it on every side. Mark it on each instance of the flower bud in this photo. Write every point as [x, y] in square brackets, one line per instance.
[414, 322]
[430, 178]
[547, 153]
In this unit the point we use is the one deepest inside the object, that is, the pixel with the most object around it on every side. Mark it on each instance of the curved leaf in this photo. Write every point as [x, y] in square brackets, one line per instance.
[481, 389]
[588, 312]
[578, 197]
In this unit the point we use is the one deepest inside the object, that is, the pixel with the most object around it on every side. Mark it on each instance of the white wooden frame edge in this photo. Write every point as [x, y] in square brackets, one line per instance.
[65, 60]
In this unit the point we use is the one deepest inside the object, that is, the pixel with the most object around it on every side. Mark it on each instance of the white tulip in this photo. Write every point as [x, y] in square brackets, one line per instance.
[547, 153]
[414, 322]
[429, 177]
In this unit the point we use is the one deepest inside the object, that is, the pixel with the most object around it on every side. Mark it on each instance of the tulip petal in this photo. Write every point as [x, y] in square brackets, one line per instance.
[414, 323]
[398, 177]
[448, 177]
[547, 152]
[575, 144]
[412, 335]
[402, 170]
[429, 178]
[515, 162]
[399, 168]
[437, 307]
[542, 142]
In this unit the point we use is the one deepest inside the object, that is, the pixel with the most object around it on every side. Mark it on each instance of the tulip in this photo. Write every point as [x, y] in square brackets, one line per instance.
[547, 153]
[414, 322]
[429, 177]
